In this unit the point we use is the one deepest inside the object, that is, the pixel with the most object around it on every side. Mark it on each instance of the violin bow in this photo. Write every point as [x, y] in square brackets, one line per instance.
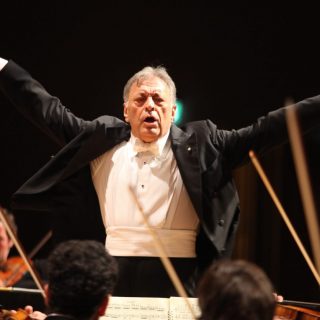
[304, 183]
[20, 249]
[40, 244]
[34, 251]
[164, 258]
[283, 214]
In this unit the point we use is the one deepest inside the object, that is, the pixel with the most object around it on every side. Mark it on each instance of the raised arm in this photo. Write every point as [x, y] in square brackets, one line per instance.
[266, 132]
[36, 104]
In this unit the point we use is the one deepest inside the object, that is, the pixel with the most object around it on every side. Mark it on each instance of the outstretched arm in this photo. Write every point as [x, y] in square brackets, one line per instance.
[36, 104]
[266, 132]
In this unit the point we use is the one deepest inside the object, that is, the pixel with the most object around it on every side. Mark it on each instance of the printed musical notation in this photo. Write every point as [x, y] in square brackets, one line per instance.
[178, 309]
[173, 308]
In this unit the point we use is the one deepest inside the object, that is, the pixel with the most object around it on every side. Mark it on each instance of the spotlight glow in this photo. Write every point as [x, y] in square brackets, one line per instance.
[179, 112]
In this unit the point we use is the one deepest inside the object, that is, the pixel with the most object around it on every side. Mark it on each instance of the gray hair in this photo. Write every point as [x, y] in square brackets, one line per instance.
[149, 72]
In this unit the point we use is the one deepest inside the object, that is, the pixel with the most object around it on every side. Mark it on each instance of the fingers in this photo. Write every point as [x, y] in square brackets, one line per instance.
[277, 297]
[28, 309]
[37, 315]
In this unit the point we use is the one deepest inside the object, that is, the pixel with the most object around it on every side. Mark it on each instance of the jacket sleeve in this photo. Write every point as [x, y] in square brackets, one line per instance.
[266, 132]
[37, 105]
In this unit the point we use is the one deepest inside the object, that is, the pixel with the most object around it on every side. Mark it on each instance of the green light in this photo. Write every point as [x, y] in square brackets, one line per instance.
[179, 111]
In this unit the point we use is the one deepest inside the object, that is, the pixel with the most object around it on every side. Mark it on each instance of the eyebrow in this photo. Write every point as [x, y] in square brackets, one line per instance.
[152, 92]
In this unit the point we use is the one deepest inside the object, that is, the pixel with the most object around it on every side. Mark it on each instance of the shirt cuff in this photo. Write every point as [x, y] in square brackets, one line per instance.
[3, 62]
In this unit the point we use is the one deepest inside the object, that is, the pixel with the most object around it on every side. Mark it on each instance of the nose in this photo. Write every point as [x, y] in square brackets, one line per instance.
[149, 104]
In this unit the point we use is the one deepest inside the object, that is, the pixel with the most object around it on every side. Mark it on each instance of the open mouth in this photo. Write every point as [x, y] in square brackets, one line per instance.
[149, 119]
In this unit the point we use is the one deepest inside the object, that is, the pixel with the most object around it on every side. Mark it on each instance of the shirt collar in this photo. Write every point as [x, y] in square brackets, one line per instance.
[161, 142]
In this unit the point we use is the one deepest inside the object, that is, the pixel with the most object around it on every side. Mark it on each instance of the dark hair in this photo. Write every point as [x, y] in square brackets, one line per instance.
[235, 289]
[81, 273]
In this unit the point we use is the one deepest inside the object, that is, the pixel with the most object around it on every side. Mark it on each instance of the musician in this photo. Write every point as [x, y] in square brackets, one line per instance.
[5, 241]
[82, 275]
[235, 289]
[109, 168]
[5, 246]
[12, 268]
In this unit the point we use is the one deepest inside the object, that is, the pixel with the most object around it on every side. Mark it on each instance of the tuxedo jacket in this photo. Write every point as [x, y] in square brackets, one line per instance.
[205, 155]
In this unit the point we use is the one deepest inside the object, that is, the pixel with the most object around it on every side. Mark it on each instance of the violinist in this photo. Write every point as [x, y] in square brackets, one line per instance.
[236, 289]
[12, 268]
[82, 276]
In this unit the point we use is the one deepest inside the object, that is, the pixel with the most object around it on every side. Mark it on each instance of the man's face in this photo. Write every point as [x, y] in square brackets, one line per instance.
[149, 109]
[5, 244]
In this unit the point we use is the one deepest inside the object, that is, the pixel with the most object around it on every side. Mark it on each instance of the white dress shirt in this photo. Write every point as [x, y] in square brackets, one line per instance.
[125, 179]
[3, 62]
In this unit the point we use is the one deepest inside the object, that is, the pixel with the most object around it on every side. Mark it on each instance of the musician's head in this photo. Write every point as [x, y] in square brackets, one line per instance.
[235, 289]
[5, 240]
[149, 103]
[81, 279]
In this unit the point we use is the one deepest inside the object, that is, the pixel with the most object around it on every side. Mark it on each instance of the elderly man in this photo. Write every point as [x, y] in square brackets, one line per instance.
[109, 168]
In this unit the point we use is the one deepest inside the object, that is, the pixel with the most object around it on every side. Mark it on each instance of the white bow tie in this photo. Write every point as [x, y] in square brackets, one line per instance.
[151, 147]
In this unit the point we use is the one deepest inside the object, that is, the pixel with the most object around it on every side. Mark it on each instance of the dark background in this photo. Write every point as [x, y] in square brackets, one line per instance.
[230, 63]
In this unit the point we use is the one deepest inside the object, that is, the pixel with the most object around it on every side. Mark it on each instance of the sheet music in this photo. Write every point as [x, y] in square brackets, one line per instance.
[179, 309]
[123, 308]
[173, 308]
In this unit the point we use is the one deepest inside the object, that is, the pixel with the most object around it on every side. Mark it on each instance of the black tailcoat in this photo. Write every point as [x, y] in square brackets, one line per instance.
[206, 157]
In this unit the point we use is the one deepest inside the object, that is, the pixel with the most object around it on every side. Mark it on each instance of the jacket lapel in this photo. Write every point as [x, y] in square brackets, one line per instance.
[185, 149]
[100, 141]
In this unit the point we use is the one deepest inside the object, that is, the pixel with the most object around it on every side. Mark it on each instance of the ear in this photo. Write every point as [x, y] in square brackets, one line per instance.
[125, 112]
[103, 306]
[173, 112]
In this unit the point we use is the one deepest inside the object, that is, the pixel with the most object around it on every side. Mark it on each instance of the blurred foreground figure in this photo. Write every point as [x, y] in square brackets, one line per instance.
[82, 276]
[235, 290]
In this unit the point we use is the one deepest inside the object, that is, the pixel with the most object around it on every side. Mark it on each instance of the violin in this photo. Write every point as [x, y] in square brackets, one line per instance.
[12, 235]
[293, 312]
[13, 270]
[19, 314]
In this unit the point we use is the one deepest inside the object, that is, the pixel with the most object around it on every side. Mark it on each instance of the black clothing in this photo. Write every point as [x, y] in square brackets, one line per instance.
[144, 274]
[205, 156]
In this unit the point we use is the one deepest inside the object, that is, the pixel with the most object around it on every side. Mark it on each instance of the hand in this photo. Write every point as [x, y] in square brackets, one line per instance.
[37, 315]
[277, 297]
[28, 309]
